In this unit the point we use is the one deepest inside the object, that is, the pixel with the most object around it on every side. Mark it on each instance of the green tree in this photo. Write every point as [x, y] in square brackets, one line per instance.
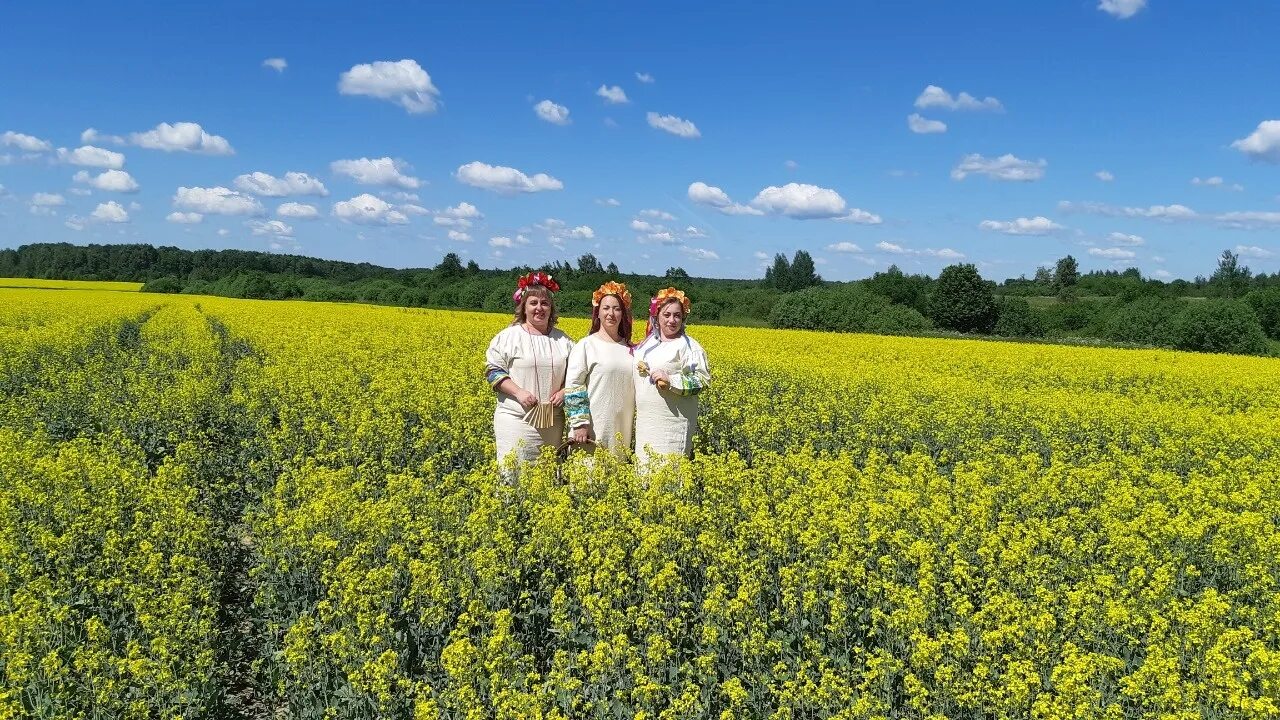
[1065, 276]
[1266, 305]
[589, 265]
[779, 274]
[962, 300]
[612, 270]
[450, 266]
[1221, 326]
[1018, 319]
[675, 273]
[1231, 279]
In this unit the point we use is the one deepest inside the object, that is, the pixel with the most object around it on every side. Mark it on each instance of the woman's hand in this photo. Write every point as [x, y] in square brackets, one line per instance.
[659, 377]
[557, 398]
[580, 435]
[526, 399]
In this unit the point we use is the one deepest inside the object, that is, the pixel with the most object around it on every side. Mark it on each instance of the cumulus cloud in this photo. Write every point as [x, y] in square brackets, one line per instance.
[800, 201]
[1122, 9]
[1038, 225]
[674, 125]
[293, 183]
[182, 137]
[459, 236]
[378, 171]
[844, 247]
[1157, 212]
[694, 233]
[184, 218]
[934, 96]
[90, 136]
[505, 180]
[1119, 238]
[75, 222]
[612, 95]
[1249, 220]
[705, 194]
[860, 217]
[110, 212]
[28, 143]
[90, 156]
[1253, 251]
[608, 202]
[924, 126]
[404, 83]
[48, 200]
[658, 214]
[645, 78]
[109, 180]
[411, 209]
[1006, 167]
[552, 112]
[1263, 143]
[1216, 182]
[216, 201]
[367, 209]
[700, 253]
[502, 241]
[277, 64]
[270, 228]
[298, 211]
[896, 249]
[1104, 176]
[1113, 253]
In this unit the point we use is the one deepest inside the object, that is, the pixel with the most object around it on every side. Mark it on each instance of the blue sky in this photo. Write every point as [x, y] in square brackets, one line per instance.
[1126, 133]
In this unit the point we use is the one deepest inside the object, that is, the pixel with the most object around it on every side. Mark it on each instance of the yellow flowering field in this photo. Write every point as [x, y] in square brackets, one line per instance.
[216, 507]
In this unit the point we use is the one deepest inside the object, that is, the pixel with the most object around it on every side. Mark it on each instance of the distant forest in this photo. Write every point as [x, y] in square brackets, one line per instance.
[1230, 310]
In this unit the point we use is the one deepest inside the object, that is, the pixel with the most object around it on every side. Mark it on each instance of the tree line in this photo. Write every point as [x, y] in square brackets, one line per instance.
[1230, 310]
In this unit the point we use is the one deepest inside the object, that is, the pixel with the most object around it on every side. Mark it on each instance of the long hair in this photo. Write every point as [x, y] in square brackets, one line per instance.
[651, 325]
[536, 291]
[624, 325]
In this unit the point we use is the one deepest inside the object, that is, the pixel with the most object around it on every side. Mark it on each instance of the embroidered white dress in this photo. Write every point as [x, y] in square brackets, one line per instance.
[536, 363]
[666, 419]
[599, 393]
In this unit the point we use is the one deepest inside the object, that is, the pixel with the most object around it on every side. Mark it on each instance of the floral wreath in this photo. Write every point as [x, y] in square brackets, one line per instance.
[534, 278]
[665, 295]
[612, 288]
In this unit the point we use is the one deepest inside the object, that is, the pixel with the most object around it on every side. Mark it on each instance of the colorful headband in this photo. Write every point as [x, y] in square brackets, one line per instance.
[534, 278]
[612, 288]
[667, 294]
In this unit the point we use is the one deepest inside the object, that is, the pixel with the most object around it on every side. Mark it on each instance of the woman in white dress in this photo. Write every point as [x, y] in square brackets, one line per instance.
[671, 369]
[525, 364]
[600, 398]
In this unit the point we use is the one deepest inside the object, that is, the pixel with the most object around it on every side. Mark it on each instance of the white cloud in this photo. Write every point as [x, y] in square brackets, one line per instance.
[111, 212]
[411, 209]
[378, 171]
[800, 201]
[791, 164]
[1005, 167]
[612, 95]
[293, 183]
[552, 113]
[223, 232]
[447, 221]
[404, 83]
[946, 254]
[216, 201]
[1249, 220]
[184, 218]
[1156, 212]
[299, 211]
[893, 248]
[844, 247]
[1038, 225]
[658, 214]
[75, 222]
[184, 137]
[1216, 181]
[860, 217]
[403, 196]
[896, 249]
[1253, 251]
[83, 192]
[644, 226]
[1162, 274]
[1263, 143]
[1122, 9]
[700, 253]
[109, 180]
[608, 202]
[28, 143]
[459, 236]
[505, 180]
[645, 78]
[90, 156]
[1113, 253]
[1119, 238]
[277, 64]
[924, 126]
[694, 233]
[463, 210]
[582, 232]
[673, 125]
[367, 209]
[705, 194]
[48, 199]
[1104, 176]
[506, 242]
[90, 136]
[270, 228]
[934, 96]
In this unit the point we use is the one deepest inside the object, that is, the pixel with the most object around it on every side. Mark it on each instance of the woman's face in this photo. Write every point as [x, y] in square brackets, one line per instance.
[537, 311]
[610, 313]
[670, 319]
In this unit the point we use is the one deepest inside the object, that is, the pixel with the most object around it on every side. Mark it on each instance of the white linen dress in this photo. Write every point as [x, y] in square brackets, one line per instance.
[599, 393]
[536, 363]
[666, 420]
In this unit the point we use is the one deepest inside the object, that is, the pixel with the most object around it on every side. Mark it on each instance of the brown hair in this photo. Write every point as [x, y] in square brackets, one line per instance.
[624, 325]
[651, 325]
[536, 291]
